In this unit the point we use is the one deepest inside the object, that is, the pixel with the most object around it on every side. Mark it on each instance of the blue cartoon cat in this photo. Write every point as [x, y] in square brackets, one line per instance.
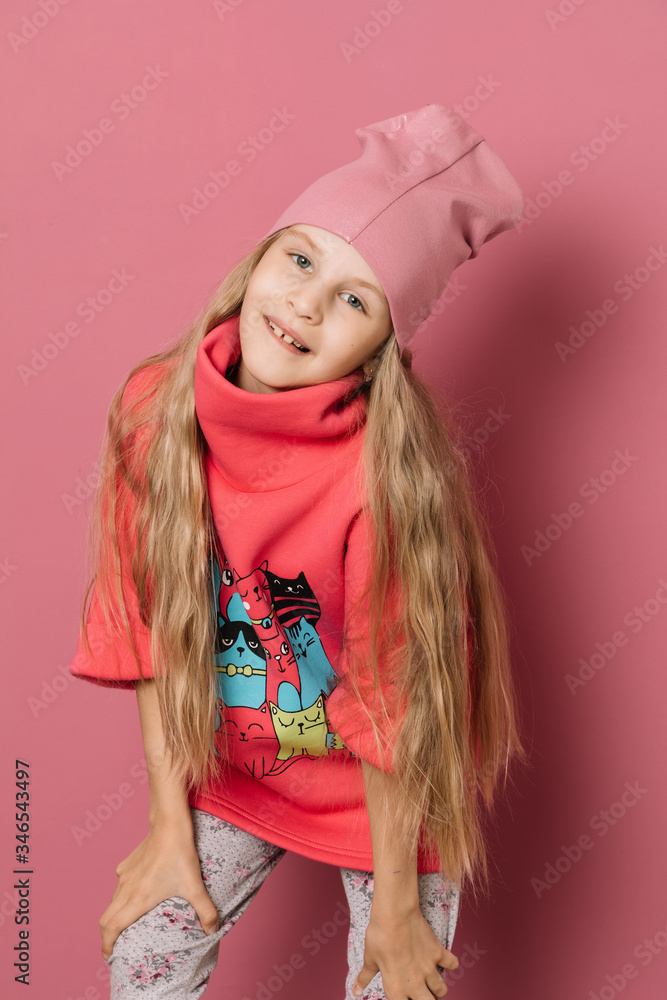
[316, 673]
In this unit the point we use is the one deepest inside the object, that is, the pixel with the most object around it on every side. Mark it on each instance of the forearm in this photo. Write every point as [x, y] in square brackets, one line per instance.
[168, 796]
[394, 863]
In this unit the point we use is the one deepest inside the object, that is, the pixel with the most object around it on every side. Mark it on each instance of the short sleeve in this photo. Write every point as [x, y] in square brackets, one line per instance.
[112, 663]
[349, 713]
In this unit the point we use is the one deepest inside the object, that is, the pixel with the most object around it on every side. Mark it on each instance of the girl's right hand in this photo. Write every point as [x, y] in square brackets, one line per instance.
[164, 864]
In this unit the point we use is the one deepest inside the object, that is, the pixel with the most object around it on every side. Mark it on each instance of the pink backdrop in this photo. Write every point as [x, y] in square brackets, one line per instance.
[553, 341]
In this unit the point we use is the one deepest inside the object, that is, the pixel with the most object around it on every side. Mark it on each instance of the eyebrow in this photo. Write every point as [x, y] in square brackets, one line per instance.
[359, 281]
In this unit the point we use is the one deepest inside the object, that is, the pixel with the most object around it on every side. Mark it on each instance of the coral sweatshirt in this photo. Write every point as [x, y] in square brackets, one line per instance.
[292, 558]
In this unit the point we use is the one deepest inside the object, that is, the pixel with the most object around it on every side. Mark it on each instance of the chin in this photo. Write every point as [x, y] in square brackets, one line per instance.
[268, 379]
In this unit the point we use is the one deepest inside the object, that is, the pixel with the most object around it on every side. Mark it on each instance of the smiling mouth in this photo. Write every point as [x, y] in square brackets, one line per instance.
[286, 339]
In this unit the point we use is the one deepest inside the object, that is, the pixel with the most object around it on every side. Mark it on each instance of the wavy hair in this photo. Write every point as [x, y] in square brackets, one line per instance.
[151, 535]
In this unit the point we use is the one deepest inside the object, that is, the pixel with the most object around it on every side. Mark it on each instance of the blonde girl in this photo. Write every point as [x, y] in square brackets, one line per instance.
[293, 574]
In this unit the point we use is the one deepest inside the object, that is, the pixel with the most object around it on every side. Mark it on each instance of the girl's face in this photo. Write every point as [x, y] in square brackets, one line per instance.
[321, 292]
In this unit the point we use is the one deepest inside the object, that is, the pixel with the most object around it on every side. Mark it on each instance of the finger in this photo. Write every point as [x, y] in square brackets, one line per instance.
[205, 909]
[117, 900]
[363, 979]
[109, 930]
[114, 920]
[436, 985]
[448, 960]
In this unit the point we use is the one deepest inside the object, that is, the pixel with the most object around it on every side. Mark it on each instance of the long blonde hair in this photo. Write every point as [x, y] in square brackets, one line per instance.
[151, 529]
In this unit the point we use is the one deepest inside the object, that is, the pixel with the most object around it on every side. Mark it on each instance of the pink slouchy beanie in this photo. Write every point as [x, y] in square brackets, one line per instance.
[425, 194]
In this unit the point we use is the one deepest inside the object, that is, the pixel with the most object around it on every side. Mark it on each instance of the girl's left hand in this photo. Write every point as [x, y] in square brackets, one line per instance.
[406, 952]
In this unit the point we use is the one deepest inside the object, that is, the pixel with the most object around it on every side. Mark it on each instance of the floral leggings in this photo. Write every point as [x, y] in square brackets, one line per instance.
[165, 953]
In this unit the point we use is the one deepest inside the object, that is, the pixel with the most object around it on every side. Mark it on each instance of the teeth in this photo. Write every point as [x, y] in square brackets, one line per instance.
[285, 336]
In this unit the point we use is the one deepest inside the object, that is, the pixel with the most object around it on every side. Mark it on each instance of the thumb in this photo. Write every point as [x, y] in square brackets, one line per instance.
[205, 909]
[362, 980]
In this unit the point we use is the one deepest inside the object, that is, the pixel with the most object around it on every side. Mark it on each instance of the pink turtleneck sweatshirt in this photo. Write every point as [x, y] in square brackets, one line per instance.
[291, 562]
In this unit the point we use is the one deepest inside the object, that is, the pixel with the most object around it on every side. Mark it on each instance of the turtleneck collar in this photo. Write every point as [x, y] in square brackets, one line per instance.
[268, 440]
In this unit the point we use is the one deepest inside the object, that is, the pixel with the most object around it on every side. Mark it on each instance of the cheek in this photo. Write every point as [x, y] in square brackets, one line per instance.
[353, 344]
[270, 288]
[249, 312]
[256, 301]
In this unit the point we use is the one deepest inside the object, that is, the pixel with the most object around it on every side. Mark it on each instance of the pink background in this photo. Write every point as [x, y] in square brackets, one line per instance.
[539, 86]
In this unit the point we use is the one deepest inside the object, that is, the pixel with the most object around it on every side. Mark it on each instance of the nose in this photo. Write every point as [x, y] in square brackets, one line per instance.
[306, 300]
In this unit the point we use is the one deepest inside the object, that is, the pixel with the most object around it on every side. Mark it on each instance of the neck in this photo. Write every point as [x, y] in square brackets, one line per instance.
[232, 373]
[239, 376]
[261, 440]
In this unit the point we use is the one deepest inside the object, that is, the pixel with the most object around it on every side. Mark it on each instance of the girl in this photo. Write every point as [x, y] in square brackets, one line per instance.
[292, 574]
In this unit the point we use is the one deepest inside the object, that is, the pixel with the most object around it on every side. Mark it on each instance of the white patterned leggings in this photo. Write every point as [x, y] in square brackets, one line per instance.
[165, 953]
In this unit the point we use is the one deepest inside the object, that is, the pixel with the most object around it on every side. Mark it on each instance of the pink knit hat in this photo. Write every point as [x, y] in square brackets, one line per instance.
[425, 194]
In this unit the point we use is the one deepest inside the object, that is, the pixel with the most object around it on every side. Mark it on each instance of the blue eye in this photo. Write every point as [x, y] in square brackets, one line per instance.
[303, 257]
[356, 299]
